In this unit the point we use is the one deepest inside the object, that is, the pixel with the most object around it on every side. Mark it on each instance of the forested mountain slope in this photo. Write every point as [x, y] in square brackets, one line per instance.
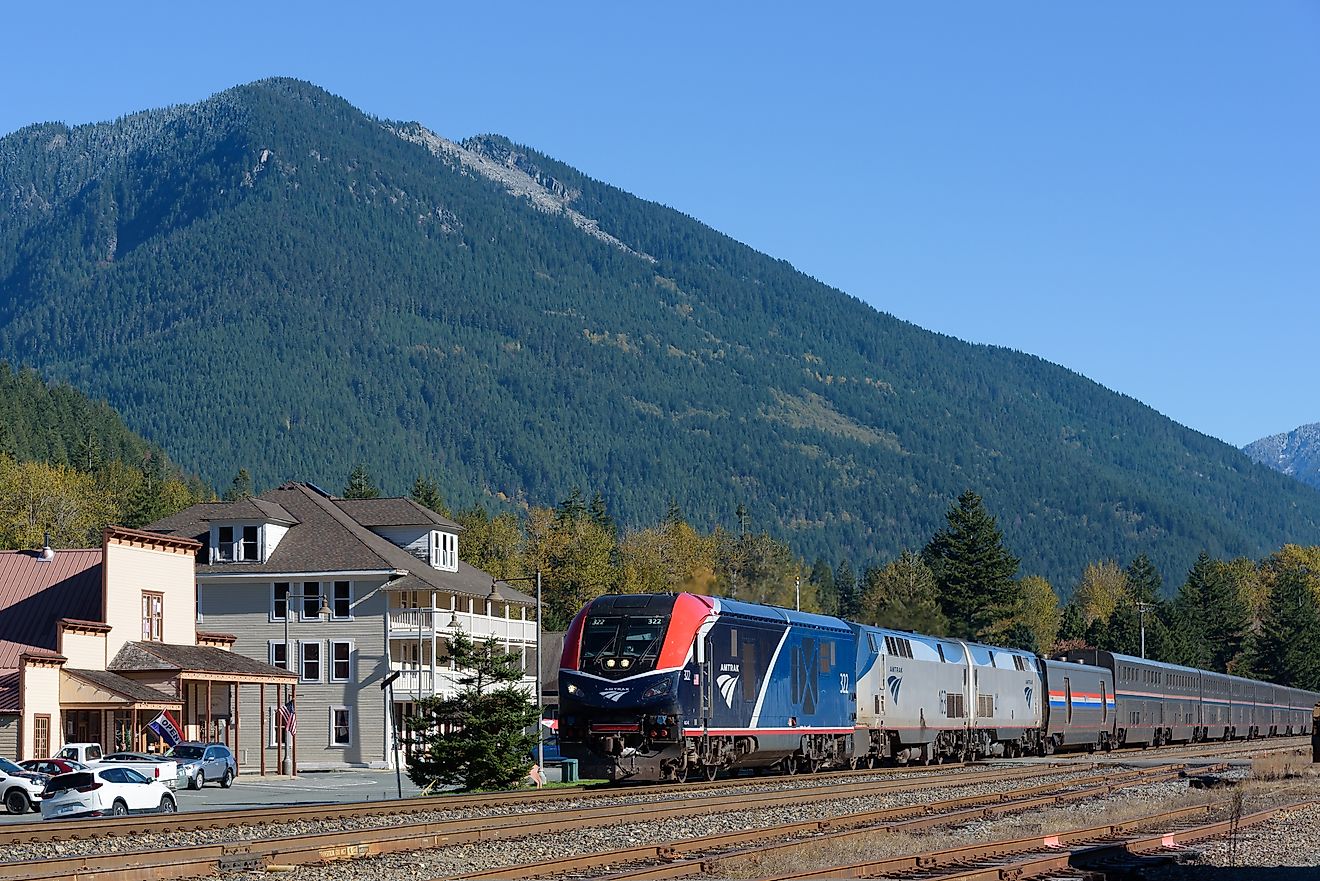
[1296, 452]
[273, 279]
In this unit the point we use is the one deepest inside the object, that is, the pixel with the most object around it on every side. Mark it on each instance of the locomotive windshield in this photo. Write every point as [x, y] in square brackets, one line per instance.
[622, 644]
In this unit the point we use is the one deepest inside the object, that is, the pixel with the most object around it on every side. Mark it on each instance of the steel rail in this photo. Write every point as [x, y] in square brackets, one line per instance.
[182, 862]
[1085, 846]
[187, 821]
[931, 814]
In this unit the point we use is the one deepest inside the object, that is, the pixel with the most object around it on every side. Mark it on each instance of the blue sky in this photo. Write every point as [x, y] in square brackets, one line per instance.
[1129, 189]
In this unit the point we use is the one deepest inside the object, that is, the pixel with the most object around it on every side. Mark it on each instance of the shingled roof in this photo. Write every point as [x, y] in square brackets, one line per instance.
[124, 687]
[329, 537]
[166, 656]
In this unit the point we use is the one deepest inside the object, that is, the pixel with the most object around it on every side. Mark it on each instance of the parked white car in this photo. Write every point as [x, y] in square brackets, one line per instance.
[105, 790]
[20, 790]
[152, 767]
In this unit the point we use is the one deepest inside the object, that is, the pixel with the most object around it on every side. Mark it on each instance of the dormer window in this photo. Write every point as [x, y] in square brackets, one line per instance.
[444, 550]
[238, 544]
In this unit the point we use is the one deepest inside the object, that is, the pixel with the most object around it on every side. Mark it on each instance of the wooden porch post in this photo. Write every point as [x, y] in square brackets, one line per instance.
[238, 691]
[261, 745]
[279, 730]
[207, 738]
[136, 740]
[293, 741]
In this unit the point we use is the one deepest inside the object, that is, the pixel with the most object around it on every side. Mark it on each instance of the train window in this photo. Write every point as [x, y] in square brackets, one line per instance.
[1104, 704]
[907, 647]
[939, 648]
[1067, 697]
[889, 646]
[733, 642]
[826, 656]
[877, 704]
[875, 648]
[749, 678]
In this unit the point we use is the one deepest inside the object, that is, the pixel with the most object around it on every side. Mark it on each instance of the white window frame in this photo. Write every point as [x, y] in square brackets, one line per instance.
[219, 555]
[288, 589]
[330, 719]
[270, 653]
[273, 730]
[241, 543]
[302, 660]
[303, 597]
[444, 550]
[352, 649]
[334, 599]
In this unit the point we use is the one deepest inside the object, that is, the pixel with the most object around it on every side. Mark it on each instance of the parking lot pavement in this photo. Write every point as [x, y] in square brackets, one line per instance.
[312, 787]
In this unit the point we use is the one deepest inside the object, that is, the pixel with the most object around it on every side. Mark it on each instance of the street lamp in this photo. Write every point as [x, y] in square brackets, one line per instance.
[322, 611]
[495, 595]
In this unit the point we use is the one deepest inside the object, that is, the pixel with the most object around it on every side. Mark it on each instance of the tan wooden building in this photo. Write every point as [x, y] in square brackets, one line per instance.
[95, 643]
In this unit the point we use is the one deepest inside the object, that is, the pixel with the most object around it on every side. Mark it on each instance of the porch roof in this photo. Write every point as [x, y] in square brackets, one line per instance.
[90, 687]
[195, 662]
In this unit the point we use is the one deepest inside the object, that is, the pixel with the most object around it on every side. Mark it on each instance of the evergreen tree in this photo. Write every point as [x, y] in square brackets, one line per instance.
[478, 739]
[822, 578]
[1211, 616]
[1284, 651]
[240, 487]
[601, 516]
[845, 588]
[148, 502]
[973, 569]
[360, 485]
[573, 507]
[1143, 580]
[1072, 625]
[902, 595]
[426, 493]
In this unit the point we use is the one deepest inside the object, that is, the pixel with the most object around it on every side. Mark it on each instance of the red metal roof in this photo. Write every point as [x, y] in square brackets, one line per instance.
[35, 594]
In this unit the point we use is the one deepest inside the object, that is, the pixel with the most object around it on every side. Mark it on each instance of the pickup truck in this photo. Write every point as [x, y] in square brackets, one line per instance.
[80, 752]
[152, 767]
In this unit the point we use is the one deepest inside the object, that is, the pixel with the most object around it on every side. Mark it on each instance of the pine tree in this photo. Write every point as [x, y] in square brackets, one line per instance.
[1143, 580]
[1285, 649]
[479, 738]
[973, 569]
[1211, 616]
[845, 587]
[822, 578]
[902, 595]
[427, 494]
[601, 516]
[360, 485]
[240, 488]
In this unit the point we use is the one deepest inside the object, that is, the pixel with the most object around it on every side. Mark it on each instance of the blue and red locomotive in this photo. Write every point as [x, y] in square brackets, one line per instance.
[669, 686]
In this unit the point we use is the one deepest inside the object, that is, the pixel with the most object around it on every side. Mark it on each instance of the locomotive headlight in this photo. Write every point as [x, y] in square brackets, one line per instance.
[625, 663]
[609, 663]
[572, 689]
[660, 689]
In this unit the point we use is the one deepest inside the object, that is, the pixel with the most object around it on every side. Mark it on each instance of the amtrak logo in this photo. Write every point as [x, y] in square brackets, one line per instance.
[1028, 692]
[894, 683]
[726, 683]
[613, 693]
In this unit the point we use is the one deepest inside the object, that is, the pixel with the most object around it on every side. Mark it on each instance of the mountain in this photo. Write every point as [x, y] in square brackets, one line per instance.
[1295, 453]
[274, 279]
[59, 425]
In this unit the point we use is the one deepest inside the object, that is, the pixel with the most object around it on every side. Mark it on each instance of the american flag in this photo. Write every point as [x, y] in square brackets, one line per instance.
[288, 718]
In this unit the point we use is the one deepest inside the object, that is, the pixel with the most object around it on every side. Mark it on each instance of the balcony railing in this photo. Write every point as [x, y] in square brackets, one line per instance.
[407, 622]
[419, 683]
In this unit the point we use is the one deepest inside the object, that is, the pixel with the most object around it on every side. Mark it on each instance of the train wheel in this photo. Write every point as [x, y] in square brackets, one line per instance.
[712, 771]
[789, 766]
[681, 772]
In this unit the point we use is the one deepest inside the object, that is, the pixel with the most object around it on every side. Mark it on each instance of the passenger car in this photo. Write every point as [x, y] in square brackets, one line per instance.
[51, 767]
[20, 789]
[104, 790]
[201, 763]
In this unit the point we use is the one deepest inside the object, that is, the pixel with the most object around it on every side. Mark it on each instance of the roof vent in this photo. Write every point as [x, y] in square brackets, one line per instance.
[47, 552]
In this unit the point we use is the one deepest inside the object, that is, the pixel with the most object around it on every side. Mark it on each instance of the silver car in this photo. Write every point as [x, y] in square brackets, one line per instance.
[202, 763]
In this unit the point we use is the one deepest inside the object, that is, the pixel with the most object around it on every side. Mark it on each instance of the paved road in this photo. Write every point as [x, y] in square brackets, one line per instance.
[319, 787]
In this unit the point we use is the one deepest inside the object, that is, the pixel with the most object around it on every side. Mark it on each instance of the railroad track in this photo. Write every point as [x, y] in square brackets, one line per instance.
[1095, 847]
[192, 861]
[192, 821]
[717, 854]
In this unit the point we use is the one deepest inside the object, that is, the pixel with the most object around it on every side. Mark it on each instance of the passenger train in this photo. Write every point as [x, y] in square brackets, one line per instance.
[668, 686]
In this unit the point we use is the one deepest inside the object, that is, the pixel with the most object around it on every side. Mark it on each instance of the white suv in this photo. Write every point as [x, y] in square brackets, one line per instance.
[100, 790]
[20, 790]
